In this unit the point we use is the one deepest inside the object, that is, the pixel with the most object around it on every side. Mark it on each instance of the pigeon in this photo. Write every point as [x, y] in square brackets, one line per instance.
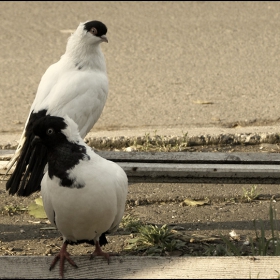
[84, 194]
[76, 85]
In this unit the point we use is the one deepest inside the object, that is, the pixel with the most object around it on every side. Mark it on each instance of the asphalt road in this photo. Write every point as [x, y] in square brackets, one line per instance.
[170, 64]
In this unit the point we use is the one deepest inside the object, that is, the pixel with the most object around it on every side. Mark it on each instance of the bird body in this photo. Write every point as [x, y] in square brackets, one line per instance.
[92, 204]
[76, 85]
[79, 78]
[84, 195]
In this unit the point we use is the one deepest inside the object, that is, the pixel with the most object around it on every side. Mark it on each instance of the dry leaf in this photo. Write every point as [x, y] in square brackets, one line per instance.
[34, 222]
[202, 102]
[36, 209]
[191, 202]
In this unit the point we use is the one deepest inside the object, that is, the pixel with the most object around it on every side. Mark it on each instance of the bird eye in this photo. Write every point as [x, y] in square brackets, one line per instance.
[50, 131]
[93, 31]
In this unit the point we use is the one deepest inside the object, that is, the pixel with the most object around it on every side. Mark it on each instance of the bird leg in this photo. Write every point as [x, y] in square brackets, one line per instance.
[98, 252]
[62, 255]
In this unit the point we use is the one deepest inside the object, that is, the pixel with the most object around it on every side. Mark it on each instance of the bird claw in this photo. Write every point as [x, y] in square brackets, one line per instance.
[62, 255]
[98, 252]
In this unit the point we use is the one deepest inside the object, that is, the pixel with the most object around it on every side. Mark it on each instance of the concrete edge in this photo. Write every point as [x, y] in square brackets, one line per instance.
[120, 139]
[147, 267]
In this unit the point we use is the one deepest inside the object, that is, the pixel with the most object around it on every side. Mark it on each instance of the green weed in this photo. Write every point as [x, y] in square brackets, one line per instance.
[12, 210]
[161, 143]
[264, 246]
[154, 240]
[260, 245]
[131, 223]
[250, 195]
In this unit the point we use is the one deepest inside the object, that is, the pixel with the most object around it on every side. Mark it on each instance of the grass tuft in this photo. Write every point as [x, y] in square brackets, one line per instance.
[131, 223]
[260, 245]
[12, 210]
[154, 240]
[160, 143]
[251, 194]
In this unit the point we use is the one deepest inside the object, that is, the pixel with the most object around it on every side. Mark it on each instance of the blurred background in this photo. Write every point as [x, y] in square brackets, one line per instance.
[170, 64]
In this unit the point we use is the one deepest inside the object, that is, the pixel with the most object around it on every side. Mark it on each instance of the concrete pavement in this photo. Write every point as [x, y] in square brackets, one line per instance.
[172, 66]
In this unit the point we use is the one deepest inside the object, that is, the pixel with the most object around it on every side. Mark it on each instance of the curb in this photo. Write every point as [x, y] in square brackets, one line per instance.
[122, 139]
[122, 142]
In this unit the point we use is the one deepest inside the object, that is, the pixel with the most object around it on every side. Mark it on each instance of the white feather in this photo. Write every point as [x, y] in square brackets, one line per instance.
[71, 131]
[87, 212]
[64, 89]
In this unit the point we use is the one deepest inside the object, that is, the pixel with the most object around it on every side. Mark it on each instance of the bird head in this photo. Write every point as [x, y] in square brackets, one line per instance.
[52, 131]
[93, 31]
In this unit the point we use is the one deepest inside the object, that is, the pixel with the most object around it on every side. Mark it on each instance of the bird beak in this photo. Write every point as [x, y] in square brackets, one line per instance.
[104, 38]
[35, 141]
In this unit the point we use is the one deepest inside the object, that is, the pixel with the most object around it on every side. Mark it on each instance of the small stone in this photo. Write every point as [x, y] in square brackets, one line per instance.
[178, 228]
[48, 252]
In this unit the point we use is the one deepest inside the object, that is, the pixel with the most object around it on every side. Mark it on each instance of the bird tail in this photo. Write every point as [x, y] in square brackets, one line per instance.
[102, 239]
[31, 161]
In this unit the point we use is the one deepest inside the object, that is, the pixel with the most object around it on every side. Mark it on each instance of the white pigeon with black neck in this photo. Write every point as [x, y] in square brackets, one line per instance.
[84, 195]
[76, 85]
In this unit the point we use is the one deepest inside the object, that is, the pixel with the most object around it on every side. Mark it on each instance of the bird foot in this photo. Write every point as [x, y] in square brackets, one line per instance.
[98, 252]
[62, 255]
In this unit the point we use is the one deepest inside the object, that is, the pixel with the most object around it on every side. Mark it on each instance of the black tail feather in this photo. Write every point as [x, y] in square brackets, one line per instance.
[31, 181]
[15, 180]
[29, 171]
[102, 239]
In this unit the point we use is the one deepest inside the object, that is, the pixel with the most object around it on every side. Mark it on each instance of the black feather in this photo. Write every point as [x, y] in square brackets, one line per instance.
[102, 240]
[100, 27]
[62, 155]
[29, 171]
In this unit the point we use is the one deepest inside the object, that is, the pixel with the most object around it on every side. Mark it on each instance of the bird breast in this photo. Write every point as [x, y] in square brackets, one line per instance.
[85, 213]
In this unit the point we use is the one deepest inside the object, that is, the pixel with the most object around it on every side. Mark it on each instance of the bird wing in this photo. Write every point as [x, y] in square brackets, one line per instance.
[79, 94]
[47, 200]
[106, 182]
[48, 80]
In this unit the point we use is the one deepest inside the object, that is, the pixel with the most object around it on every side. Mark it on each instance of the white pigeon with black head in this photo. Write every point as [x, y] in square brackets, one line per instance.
[76, 85]
[84, 195]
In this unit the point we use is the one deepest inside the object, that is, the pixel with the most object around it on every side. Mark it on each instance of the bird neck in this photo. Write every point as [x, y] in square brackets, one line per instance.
[84, 55]
[64, 157]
